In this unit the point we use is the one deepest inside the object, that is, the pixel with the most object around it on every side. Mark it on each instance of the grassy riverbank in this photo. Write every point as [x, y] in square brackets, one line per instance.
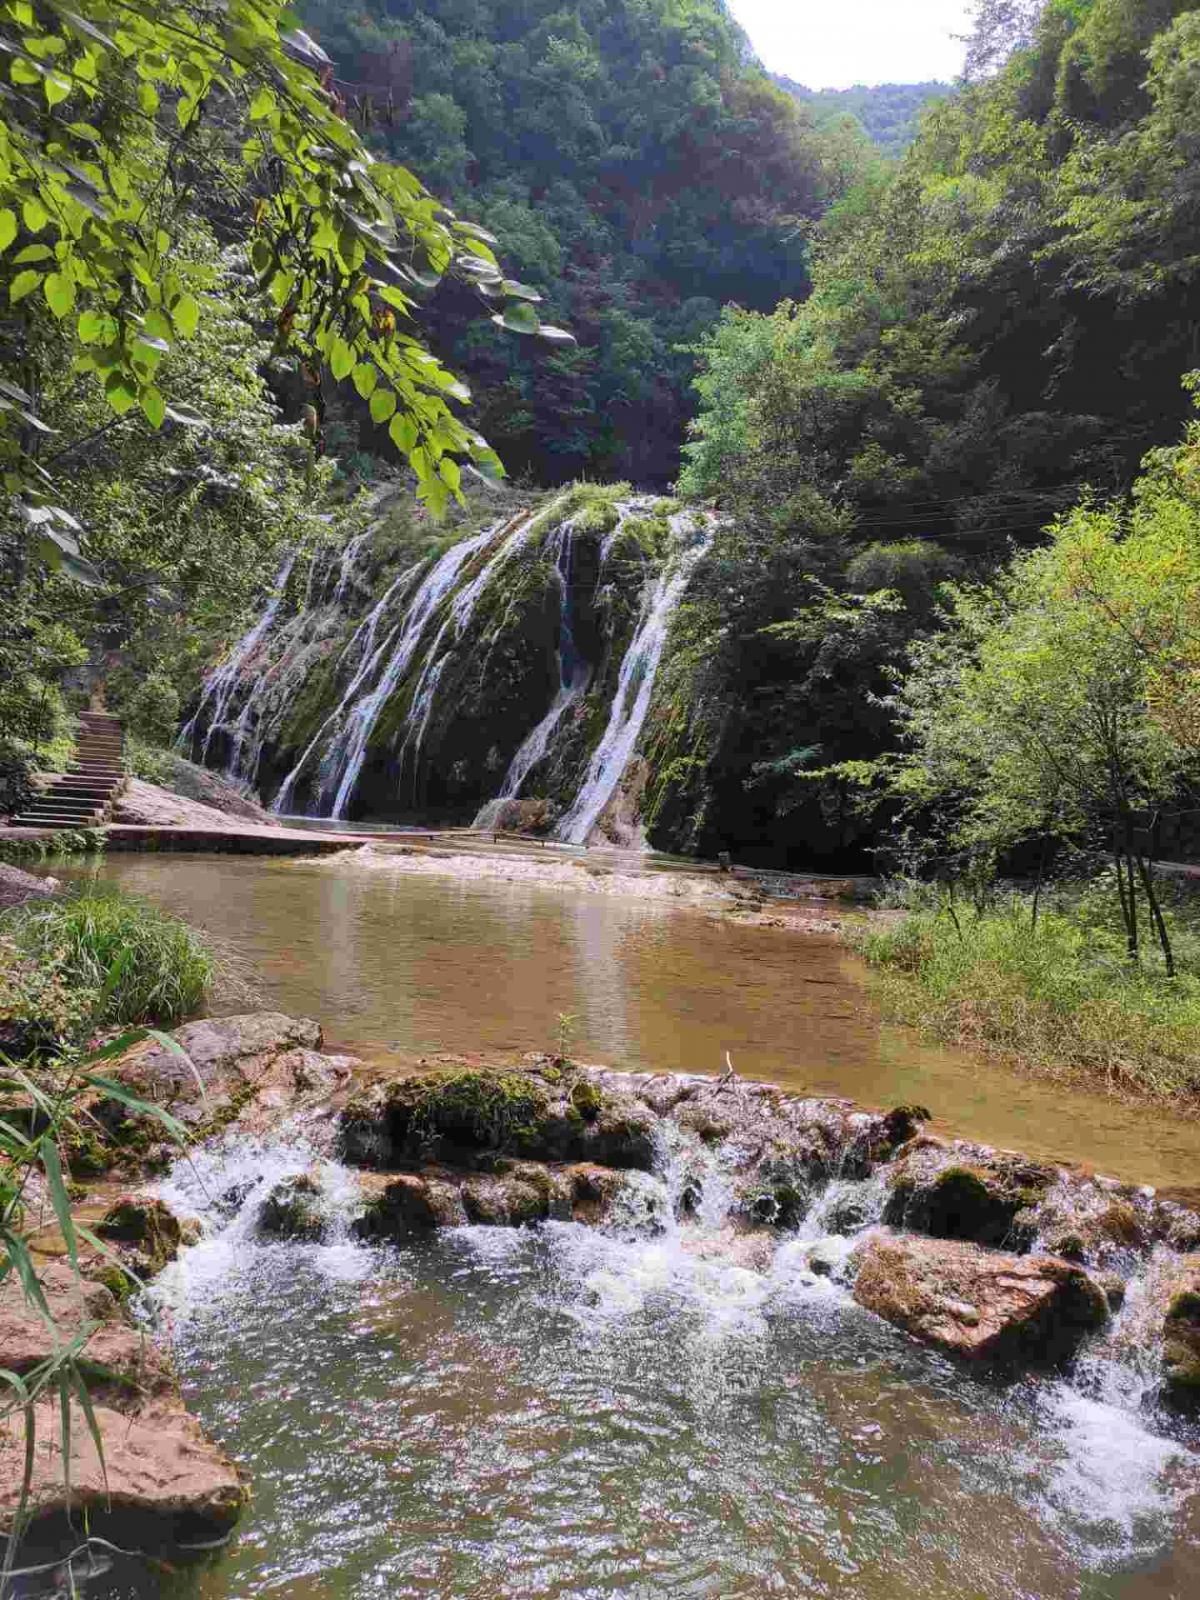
[1056, 995]
[100, 958]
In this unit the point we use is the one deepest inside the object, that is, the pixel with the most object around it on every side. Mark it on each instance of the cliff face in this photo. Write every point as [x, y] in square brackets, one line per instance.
[507, 669]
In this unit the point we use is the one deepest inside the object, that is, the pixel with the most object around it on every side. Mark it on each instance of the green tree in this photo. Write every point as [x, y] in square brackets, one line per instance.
[122, 118]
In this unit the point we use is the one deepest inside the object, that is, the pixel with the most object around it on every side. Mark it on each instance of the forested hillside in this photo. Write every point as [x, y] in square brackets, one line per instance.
[889, 113]
[641, 172]
[997, 329]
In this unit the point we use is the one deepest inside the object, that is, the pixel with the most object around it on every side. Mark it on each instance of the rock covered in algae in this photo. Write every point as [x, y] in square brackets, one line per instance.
[471, 1115]
[1181, 1337]
[986, 1197]
[147, 1233]
[976, 1303]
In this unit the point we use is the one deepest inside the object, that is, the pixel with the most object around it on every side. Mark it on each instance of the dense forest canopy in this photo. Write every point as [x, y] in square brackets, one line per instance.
[889, 113]
[997, 327]
[639, 167]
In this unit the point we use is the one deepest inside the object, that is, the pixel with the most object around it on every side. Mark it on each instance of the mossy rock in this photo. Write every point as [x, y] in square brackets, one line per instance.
[1181, 1340]
[965, 1202]
[295, 1209]
[587, 1099]
[147, 1229]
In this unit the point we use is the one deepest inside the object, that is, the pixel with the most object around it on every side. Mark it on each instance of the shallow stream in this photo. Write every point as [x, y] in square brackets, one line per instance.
[562, 1413]
[399, 966]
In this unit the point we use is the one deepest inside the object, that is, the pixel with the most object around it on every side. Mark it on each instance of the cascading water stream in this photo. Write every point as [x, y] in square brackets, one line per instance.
[635, 688]
[222, 683]
[574, 676]
[515, 535]
[370, 656]
[348, 752]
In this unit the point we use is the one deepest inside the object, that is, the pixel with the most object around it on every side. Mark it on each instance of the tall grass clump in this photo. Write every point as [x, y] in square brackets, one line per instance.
[138, 963]
[1053, 992]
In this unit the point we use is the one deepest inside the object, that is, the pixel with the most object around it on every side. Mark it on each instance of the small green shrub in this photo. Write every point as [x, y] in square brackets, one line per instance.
[1058, 996]
[140, 963]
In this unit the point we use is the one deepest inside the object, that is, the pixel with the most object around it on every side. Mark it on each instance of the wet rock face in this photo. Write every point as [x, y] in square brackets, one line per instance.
[988, 1200]
[979, 1304]
[295, 1209]
[146, 1232]
[248, 1070]
[1181, 1338]
[473, 1117]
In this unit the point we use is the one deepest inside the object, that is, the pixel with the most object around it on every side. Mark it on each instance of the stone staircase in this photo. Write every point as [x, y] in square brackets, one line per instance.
[82, 796]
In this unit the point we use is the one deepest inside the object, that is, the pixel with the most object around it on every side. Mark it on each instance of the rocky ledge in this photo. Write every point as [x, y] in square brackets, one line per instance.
[155, 1477]
[986, 1255]
[154, 1469]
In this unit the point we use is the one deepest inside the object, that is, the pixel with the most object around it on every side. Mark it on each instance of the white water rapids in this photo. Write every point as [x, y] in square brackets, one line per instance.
[644, 1408]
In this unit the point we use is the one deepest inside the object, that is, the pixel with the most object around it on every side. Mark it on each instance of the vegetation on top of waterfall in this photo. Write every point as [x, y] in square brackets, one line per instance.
[97, 958]
[996, 326]
[639, 167]
[1046, 987]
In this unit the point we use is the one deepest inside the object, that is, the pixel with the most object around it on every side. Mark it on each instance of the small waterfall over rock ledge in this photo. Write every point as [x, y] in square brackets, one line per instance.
[507, 676]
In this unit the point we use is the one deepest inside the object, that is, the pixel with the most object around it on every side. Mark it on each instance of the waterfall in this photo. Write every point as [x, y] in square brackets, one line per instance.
[574, 675]
[514, 536]
[362, 644]
[345, 761]
[222, 683]
[634, 690]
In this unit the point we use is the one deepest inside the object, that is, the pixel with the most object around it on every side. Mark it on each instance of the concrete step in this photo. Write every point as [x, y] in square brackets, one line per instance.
[50, 819]
[96, 792]
[81, 808]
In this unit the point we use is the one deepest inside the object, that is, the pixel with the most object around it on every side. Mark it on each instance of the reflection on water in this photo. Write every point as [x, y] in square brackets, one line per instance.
[393, 964]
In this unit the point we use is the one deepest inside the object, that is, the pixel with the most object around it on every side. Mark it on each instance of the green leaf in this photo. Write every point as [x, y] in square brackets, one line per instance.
[23, 284]
[34, 215]
[97, 327]
[185, 314]
[450, 474]
[262, 105]
[383, 404]
[58, 1196]
[56, 89]
[148, 98]
[120, 393]
[518, 318]
[365, 378]
[402, 431]
[8, 228]
[153, 405]
[555, 335]
[341, 359]
[59, 290]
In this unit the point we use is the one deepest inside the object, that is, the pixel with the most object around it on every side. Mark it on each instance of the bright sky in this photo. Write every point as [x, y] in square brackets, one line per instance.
[831, 44]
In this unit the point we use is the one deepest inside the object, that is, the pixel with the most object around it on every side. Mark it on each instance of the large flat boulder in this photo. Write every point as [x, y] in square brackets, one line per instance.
[158, 1473]
[979, 1304]
[157, 1467]
[253, 1070]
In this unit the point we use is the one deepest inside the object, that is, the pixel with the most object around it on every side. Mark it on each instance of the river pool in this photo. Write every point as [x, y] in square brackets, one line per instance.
[558, 1412]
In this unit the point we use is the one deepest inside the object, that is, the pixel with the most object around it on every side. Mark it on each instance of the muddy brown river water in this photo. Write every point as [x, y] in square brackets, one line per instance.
[397, 965]
[559, 1413]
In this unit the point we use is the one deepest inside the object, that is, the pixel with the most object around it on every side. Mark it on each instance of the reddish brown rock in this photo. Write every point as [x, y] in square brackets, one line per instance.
[982, 1305]
[159, 1465]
